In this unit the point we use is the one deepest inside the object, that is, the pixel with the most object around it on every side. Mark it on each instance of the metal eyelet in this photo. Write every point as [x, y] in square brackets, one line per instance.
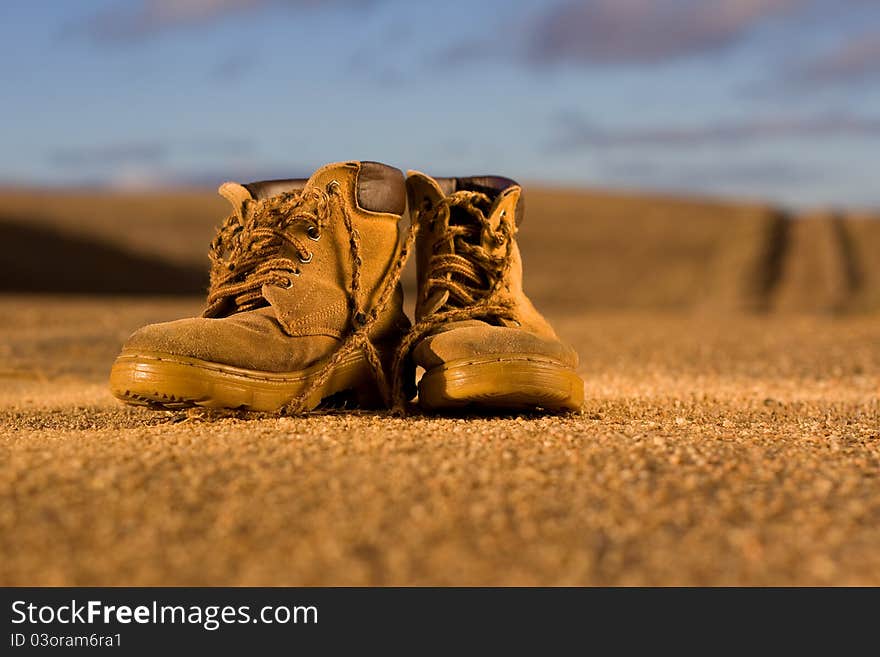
[287, 283]
[306, 260]
[313, 233]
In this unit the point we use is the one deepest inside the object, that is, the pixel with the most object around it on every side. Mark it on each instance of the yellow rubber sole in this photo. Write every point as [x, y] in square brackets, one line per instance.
[172, 382]
[511, 382]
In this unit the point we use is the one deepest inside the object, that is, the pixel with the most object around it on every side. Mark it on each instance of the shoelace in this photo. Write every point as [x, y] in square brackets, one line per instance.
[469, 271]
[475, 292]
[245, 256]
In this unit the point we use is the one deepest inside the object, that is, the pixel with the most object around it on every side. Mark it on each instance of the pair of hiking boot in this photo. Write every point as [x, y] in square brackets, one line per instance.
[305, 306]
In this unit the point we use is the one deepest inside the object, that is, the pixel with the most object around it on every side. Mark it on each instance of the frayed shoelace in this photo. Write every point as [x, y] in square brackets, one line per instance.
[472, 275]
[246, 255]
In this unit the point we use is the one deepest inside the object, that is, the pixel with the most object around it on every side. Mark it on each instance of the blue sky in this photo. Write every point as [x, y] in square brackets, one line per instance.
[776, 99]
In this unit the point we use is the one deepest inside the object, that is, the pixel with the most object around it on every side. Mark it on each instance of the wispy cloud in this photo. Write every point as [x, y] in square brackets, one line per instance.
[762, 174]
[234, 66]
[576, 132]
[855, 59]
[149, 17]
[143, 153]
[158, 163]
[647, 31]
[109, 155]
[642, 33]
[146, 18]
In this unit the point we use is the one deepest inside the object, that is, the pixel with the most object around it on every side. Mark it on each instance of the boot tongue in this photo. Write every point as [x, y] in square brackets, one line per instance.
[435, 302]
[237, 195]
[264, 189]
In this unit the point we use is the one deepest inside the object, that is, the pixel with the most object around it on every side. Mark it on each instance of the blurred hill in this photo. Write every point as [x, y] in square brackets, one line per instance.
[582, 250]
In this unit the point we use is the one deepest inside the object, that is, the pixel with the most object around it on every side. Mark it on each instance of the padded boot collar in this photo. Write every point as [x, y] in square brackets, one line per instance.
[379, 187]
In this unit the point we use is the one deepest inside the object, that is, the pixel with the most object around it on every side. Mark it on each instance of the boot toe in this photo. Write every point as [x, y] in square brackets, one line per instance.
[183, 337]
[487, 341]
[251, 341]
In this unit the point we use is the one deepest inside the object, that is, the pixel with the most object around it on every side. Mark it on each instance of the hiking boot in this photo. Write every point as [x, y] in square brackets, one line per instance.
[478, 337]
[304, 302]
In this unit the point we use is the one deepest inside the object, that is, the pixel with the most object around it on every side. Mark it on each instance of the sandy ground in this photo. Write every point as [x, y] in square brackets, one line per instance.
[711, 450]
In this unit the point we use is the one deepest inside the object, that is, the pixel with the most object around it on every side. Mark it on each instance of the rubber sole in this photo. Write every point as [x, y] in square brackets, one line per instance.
[512, 382]
[173, 382]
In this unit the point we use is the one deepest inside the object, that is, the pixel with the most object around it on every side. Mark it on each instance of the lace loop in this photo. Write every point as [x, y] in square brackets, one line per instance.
[468, 271]
[248, 250]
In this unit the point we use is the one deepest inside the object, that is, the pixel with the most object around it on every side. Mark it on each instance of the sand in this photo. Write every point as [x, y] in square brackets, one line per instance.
[731, 431]
[712, 449]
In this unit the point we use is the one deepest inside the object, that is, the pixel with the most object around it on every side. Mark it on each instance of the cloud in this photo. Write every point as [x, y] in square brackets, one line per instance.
[110, 155]
[759, 174]
[856, 59]
[641, 34]
[783, 181]
[144, 153]
[647, 31]
[576, 132]
[199, 161]
[147, 18]
[235, 66]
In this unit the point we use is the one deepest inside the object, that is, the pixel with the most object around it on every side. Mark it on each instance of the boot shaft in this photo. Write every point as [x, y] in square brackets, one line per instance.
[441, 235]
[312, 295]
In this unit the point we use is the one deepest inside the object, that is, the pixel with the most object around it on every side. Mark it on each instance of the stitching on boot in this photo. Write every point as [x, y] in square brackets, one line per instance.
[245, 255]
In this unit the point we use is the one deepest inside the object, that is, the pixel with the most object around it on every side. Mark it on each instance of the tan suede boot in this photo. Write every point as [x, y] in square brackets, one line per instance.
[478, 337]
[304, 301]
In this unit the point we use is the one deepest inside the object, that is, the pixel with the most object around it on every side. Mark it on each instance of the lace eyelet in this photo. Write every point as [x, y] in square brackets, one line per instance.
[313, 233]
[307, 259]
[287, 283]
